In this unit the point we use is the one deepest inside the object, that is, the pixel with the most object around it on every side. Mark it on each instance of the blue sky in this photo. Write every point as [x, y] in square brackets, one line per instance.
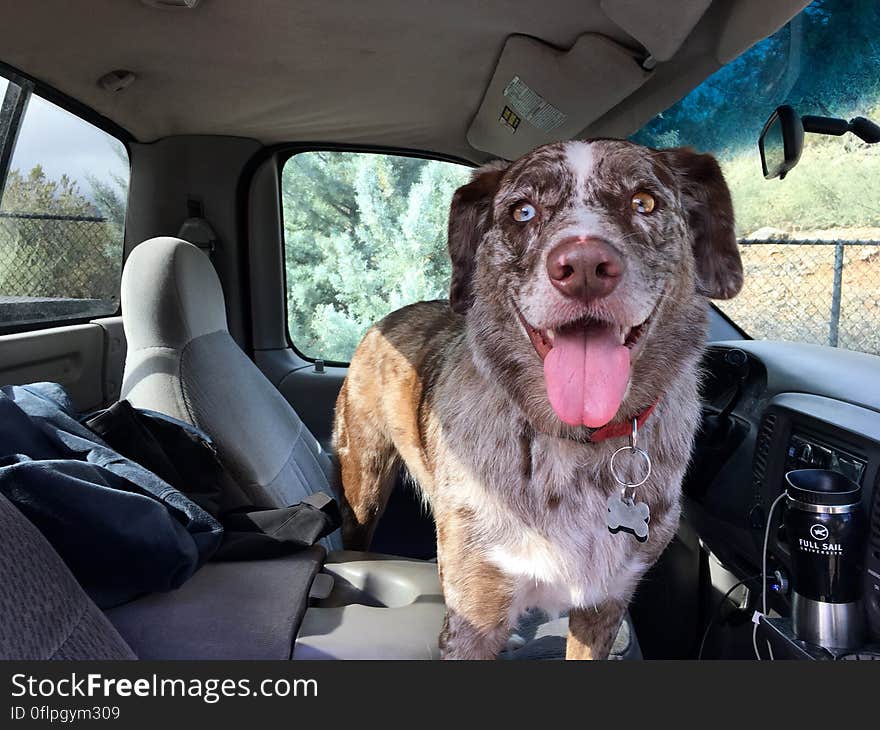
[64, 144]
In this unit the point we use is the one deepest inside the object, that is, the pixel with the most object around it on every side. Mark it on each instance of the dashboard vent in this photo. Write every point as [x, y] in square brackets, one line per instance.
[762, 451]
[759, 469]
[874, 531]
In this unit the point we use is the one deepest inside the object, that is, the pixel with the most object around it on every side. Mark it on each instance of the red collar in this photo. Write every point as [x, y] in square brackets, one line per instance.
[621, 428]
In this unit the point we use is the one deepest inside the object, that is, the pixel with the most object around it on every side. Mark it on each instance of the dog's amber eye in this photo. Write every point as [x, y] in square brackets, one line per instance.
[523, 212]
[642, 202]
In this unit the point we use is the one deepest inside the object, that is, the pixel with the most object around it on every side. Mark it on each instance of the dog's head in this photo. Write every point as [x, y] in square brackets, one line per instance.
[583, 269]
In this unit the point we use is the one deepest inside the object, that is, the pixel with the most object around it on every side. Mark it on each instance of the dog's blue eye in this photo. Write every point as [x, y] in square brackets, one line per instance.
[523, 212]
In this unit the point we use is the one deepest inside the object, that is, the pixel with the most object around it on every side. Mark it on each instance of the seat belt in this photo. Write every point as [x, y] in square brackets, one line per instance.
[196, 229]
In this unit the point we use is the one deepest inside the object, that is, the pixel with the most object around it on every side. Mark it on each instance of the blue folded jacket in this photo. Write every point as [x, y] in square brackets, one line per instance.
[121, 529]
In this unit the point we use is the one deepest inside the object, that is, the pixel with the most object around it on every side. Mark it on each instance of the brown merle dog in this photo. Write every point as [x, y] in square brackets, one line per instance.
[580, 277]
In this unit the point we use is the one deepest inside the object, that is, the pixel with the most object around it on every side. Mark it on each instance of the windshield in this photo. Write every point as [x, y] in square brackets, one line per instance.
[811, 242]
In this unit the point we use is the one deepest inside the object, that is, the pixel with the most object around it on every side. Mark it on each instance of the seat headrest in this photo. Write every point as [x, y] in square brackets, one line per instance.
[170, 295]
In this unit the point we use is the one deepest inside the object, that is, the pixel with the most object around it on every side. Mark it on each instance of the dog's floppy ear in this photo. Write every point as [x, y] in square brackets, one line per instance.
[706, 199]
[470, 216]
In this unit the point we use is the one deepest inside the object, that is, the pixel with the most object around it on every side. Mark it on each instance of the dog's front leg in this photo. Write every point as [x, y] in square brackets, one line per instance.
[462, 638]
[478, 595]
[591, 631]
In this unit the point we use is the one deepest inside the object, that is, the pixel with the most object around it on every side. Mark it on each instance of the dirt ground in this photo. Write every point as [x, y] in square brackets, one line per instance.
[788, 288]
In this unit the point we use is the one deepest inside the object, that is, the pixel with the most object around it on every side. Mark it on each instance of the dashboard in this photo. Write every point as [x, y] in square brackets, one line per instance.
[770, 407]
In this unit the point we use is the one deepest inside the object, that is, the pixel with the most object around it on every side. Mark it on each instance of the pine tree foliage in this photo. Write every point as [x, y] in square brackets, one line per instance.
[364, 234]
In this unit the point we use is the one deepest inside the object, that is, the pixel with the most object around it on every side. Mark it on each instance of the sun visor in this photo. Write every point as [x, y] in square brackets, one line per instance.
[751, 21]
[661, 27]
[539, 94]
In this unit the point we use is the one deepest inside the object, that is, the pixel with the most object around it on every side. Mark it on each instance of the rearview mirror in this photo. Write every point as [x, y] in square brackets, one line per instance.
[781, 142]
[782, 139]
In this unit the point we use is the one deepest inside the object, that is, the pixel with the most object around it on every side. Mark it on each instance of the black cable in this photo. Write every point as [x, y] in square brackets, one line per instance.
[717, 611]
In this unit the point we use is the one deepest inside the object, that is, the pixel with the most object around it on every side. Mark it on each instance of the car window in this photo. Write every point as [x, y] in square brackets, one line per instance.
[63, 190]
[811, 242]
[364, 234]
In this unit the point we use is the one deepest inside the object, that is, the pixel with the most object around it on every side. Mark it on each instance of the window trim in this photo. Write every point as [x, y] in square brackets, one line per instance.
[287, 151]
[108, 126]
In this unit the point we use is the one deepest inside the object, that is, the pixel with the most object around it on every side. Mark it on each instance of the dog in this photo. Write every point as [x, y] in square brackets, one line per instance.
[577, 303]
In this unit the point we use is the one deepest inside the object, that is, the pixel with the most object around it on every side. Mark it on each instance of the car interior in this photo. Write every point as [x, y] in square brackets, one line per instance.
[177, 230]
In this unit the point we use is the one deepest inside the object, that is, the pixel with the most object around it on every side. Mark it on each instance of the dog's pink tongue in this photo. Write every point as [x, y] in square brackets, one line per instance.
[587, 372]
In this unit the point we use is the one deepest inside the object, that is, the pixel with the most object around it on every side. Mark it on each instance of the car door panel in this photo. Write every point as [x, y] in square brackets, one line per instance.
[71, 355]
[311, 394]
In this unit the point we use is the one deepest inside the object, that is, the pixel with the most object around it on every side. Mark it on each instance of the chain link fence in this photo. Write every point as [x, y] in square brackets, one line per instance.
[57, 266]
[823, 291]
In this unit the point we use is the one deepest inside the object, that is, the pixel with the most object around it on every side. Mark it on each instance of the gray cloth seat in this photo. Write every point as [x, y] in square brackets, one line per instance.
[45, 613]
[183, 362]
[240, 610]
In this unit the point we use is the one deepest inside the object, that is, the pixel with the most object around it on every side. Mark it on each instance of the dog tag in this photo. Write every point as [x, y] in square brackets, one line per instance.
[624, 513]
[627, 515]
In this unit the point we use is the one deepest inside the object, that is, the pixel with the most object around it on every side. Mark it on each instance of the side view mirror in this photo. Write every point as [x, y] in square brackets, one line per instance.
[782, 138]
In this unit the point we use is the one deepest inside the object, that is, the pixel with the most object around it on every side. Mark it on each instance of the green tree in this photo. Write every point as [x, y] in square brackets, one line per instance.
[364, 234]
[109, 199]
[36, 193]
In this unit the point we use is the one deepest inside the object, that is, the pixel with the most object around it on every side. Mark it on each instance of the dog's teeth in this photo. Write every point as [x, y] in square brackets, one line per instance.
[551, 335]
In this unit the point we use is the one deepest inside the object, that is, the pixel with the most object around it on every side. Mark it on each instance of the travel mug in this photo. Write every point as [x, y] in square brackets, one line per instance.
[825, 527]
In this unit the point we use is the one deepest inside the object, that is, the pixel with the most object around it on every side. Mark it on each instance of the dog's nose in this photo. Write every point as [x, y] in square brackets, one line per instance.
[585, 267]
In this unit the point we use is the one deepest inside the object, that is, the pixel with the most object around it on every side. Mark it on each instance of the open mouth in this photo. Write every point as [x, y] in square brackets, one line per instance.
[543, 340]
[586, 367]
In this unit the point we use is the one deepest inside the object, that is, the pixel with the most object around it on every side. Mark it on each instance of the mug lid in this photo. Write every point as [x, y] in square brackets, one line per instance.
[822, 487]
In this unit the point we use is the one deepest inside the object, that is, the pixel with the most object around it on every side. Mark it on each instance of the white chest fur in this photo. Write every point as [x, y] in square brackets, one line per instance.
[563, 556]
[554, 577]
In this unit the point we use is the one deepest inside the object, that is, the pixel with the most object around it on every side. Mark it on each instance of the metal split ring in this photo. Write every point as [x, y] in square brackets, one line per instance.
[633, 446]
[647, 465]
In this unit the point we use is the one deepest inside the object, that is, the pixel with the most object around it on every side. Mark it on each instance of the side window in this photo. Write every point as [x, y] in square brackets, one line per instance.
[63, 191]
[364, 234]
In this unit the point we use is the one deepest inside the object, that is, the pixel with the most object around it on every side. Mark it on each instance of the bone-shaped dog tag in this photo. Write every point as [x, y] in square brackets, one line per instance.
[628, 515]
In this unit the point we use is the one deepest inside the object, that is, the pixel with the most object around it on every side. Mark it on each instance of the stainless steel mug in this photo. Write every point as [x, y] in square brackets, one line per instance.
[825, 528]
